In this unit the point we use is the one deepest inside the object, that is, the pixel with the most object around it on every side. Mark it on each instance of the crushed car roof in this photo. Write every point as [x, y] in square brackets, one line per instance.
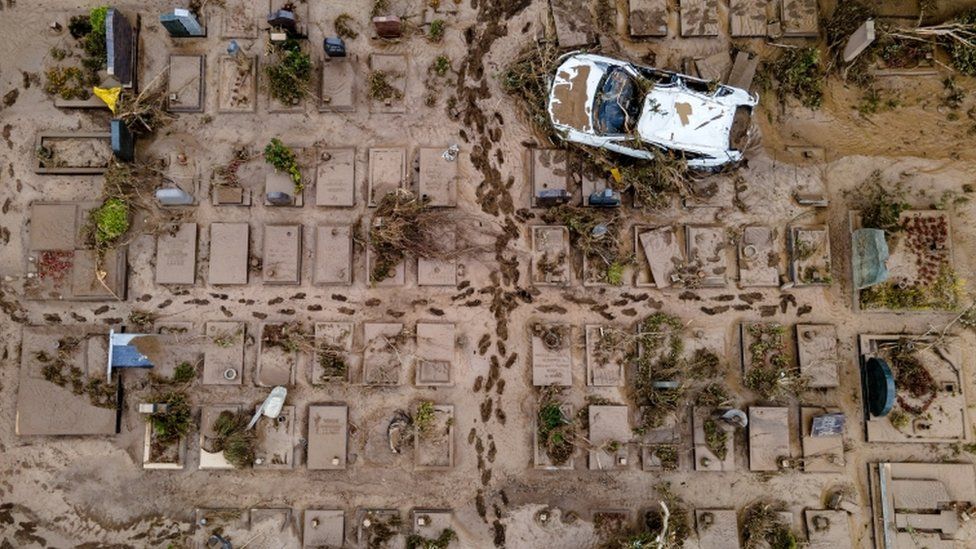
[682, 118]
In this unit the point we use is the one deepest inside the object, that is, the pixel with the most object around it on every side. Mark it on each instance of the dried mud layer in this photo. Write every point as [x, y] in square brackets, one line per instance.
[93, 491]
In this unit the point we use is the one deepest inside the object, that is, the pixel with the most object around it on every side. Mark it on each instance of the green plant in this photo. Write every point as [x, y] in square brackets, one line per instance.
[435, 33]
[283, 159]
[716, 438]
[441, 65]
[94, 41]
[379, 87]
[290, 73]
[424, 417]
[798, 73]
[963, 52]
[595, 233]
[555, 432]
[763, 528]
[344, 26]
[442, 541]
[184, 372]
[69, 82]
[234, 439]
[173, 423]
[111, 222]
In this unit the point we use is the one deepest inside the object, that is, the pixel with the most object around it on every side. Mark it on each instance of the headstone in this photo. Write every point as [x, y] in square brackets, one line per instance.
[334, 47]
[859, 41]
[388, 26]
[743, 70]
[120, 47]
[283, 19]
[123, 142]
[182, 24]
[173, 196]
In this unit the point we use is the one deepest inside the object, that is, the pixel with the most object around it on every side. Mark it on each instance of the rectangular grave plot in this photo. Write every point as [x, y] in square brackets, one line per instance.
[394, 276]
[277, 356]
[551, 264]
[717, 528]
[387, 172]
[384, 353]
[239, 20]
[604, 360]
[437, 181]
[328, 434]
[282, 261]
[573, 22]
[435, 354]
[648, 18]
[699, 18]
[554, 458]
[549, 174]
[824, 453]
[53, 226]
[710, 452]
[392, 71]
[332, 358]
[333, 255]
[72, 153]
[429, 523]
[441, 271]
[800, 18]
[234, 525]
[748, 17]
[210, 458]
[609, 435]
[371, 521]
[817, 352]
[758, 259]
[229, 250]
[338, 85]
[434, 447]
[324, 528]
[335, 178]
[659, 255]
[552, 355]
[769, 437]
[709, 249]
[176, 255]
[237, 84]
[810, 256]
[275, 448]
[223, 357]
[185, 90]
[281, 186]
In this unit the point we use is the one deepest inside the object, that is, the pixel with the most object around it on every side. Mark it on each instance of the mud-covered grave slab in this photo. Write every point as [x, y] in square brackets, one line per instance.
[383, 353]
[708, 248]
[439, 271]
[338, 84]
[540, 456]
[659, 253]
[810, 256]
[661, 448]
[335, 178]
[823, 453]
[393, 69]
[609, 437]
[573, 22]
[387, 172]
[324, 528]
[717, 528]
[759, 260]
[373, 527]
[176, 255]
[282, 259]
[800, 18]
[552, 354]
[332, 360]
[604, 362]
[435, 354]
[237, 84]
[827, 529]
[229, 249]
[769, 437]
[551, 265]
[239, 20]
[817, 353]
[275, 447]
[277, 359]
[699, 17]
[434, 446]
[430, 523]
[333, 255]
[273, 529]
[223, 358]
[437, 178]
[186, 86]
[706, 458]
[549, 175]
[328, 434]
[748, 17]
[397, 276]
[210, 458]
[648, 18]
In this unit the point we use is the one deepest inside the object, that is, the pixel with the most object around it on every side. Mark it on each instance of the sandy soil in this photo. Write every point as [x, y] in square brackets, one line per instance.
[67, 491]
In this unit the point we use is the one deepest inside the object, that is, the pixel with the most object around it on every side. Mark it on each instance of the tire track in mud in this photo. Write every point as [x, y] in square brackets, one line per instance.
[494, 195]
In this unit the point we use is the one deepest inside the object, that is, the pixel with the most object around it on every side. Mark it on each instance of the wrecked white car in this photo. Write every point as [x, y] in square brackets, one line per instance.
[627, 108]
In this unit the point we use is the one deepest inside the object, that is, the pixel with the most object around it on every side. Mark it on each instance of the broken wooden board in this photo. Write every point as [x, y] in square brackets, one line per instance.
[333, 255]
[437, 181]
[748, 17]
[282, 259]
[394, 69]
[800, 18]
[699, 17]
[758, 260]
[573, 22]
[435, 354]
[714, 67]
[552, 357]
[328, 437]
[817, 353]
[609, 437]
[335, 177]
[743, 70]
[387, 173]
[769, 437]
[550, 265]
[338, 84]
[660, 253]
[223, 356]
[229, 248]
[648, 18]
[176, 255]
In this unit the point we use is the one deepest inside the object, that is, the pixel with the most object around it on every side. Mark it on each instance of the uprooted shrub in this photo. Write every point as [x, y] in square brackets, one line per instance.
[289, 73]
[234, 439]
[799, 73]
[405, 224]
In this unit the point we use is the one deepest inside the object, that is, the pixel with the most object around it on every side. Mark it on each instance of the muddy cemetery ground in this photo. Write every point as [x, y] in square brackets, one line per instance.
[468, 364]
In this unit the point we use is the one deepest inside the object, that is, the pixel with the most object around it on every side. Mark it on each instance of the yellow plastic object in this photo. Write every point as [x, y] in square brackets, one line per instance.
[615, 172]
[109, 95]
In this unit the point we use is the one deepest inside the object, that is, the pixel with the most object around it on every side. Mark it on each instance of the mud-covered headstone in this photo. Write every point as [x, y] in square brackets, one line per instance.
[769, 437]
[748, 17]
[228, 253]
[699, 17]
[182, 23]
[335, 178]
[120, 47]
[282, 259]
[648, 18]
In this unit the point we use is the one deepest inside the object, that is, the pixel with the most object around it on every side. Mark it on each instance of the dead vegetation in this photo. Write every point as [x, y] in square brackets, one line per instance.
[58, 370]
[556, 432]
[234, 439]
[290, 337]
[145, 113]
[528, 78]
[770, 372]
[379, 88]
[404, 225]
[596, 234]
[762, 527]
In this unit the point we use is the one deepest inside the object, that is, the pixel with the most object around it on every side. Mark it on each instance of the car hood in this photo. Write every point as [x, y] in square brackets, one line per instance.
[680, 118]
[573, 90]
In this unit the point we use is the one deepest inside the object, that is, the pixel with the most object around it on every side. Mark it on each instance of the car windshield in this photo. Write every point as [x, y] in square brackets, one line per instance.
[618, 103]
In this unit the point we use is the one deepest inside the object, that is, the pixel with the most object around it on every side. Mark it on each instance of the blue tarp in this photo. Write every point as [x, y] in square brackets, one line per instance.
[869, 252]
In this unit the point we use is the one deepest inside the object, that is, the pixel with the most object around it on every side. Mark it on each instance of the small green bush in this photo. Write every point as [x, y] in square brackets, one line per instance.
[436, 31]
[799, 73]
[283, 159]
[111, 221]
[94, 41]
[184, 372]
[289, 75]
